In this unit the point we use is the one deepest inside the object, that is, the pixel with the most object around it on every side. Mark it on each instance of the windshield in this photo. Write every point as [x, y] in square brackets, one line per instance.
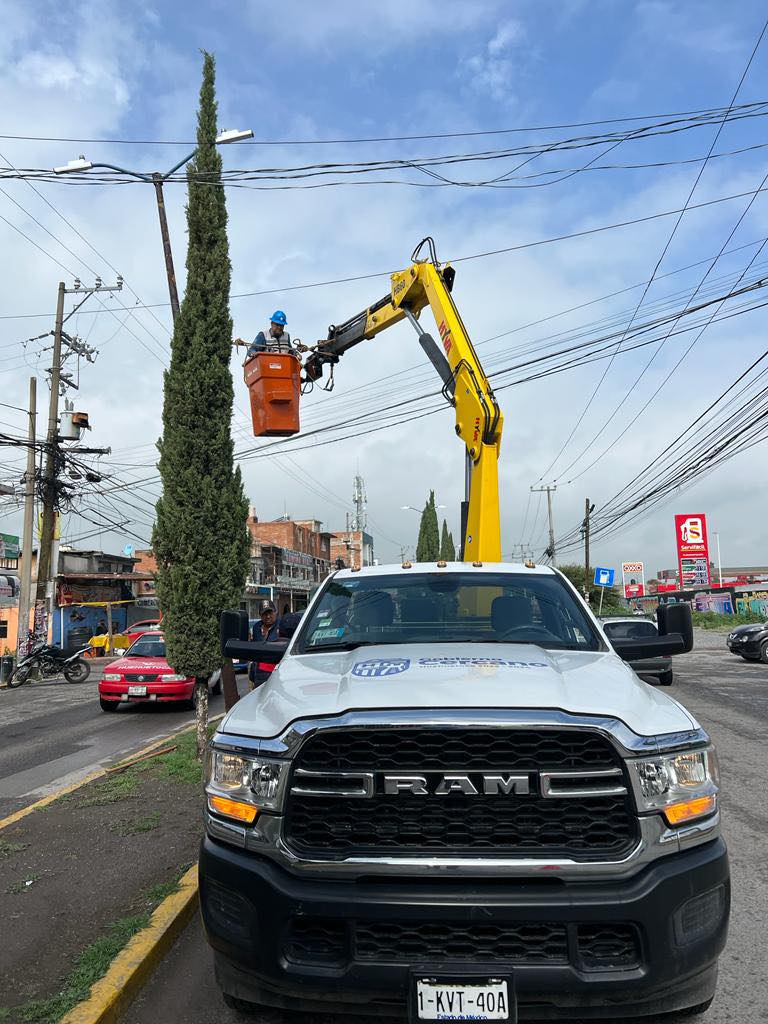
[147, 647]
[630, 630]
[448, 608]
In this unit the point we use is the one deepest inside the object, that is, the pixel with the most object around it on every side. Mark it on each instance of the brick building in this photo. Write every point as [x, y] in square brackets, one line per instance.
[289, 558]
[351, 549]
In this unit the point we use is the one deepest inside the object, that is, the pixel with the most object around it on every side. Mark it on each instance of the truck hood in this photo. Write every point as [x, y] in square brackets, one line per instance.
[444, 676]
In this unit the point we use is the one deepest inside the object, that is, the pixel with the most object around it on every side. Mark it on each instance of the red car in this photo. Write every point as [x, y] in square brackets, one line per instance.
[144, 676]
[137, 629]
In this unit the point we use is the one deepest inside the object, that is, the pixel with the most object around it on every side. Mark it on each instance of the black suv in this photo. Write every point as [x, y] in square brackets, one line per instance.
[751, 642]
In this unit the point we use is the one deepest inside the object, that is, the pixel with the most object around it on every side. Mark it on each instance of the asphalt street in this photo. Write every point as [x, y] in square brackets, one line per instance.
[730, 698]
[54, 733]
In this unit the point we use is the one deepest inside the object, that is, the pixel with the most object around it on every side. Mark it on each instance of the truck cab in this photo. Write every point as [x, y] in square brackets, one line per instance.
[453, 797]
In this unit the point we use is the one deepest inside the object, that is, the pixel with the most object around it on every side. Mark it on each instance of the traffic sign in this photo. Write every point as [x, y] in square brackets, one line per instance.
[604, 577]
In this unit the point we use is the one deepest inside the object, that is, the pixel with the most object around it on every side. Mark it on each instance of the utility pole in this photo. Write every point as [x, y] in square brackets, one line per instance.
[167, 251]
[549, 488]
[48, 527]
[50, 486]
[25, 596]
[588, 510]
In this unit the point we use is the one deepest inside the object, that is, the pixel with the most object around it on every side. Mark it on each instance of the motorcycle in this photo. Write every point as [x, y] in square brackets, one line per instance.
[46, 661]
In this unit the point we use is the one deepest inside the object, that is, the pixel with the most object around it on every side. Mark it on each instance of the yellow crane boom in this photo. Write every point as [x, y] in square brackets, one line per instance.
[479, 421]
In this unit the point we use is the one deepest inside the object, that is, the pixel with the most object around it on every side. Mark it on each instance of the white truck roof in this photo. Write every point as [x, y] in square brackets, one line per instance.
[417, 568]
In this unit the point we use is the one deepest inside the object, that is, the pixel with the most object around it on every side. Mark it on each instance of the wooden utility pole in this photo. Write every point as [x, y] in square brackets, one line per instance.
[30, 482]
[167, 251]
[549, 488]
[48, 527]
[587, 512]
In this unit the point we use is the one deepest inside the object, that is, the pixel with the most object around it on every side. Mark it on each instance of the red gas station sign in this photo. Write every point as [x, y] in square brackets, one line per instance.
[633, 578]
[692, 551]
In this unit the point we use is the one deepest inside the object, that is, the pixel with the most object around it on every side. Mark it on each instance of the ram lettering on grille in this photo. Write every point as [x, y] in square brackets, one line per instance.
[492, 792]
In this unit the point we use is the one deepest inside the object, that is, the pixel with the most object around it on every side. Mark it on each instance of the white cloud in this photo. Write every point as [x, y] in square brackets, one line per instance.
[334, 24]
[494, 70]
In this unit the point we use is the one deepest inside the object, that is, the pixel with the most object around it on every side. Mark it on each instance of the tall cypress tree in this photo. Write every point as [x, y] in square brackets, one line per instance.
[447, 547]
[428, 544]
[200, 538]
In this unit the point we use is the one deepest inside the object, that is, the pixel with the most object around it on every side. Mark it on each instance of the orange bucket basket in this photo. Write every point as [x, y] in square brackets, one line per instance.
[274, 385]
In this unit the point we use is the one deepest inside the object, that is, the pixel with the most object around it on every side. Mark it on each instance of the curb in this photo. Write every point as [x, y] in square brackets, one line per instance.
[98, 774]
[112, 995]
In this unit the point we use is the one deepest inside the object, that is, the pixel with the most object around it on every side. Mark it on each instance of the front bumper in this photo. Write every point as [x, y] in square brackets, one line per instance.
[599, 948]
[749, 647]
[156, 692]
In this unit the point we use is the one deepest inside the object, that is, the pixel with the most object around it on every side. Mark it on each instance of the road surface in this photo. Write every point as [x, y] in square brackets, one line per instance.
[54, 733]
[730, 698]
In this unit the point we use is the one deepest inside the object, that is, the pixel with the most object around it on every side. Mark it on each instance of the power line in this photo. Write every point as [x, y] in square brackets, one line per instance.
[386, 138]
[457, 259]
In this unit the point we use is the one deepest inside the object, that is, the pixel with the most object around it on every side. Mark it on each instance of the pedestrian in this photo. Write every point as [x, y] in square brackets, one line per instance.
[264, 631]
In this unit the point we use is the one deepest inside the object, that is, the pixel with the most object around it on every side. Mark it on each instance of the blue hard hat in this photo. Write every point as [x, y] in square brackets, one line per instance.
[279, 317]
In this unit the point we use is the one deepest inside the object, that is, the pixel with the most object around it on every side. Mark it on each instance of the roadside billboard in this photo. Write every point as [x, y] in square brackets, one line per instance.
[633, 578]
[692, 550]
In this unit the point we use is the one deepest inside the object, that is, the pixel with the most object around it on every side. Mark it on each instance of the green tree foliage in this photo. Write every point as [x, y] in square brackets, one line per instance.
[428, 544]
[200, 538]
[447, 547]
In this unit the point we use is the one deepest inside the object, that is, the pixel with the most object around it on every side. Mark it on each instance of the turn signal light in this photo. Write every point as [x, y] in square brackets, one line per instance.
[233, 809]
[677, 814]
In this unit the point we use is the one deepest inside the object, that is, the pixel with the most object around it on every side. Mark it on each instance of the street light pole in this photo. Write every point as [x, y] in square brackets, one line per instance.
[167, 251]
[157, 179]
[719, 562]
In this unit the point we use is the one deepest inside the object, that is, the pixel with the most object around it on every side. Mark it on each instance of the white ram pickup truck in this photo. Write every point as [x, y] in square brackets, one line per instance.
[453, 799]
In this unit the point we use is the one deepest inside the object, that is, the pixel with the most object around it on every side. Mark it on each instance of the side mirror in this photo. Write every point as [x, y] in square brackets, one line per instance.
[251, 650]
[676, 618]
[233, 625]
[638, 648]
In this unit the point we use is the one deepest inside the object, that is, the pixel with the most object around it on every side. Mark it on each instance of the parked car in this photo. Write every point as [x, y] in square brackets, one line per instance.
[137, 629]
[750, 642]
[634, 628]
[144, 676]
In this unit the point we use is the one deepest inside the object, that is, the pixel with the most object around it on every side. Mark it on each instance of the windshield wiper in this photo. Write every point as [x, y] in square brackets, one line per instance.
[345, 645]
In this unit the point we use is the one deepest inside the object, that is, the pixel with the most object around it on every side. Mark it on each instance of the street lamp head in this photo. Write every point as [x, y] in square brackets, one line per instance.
[233, 135]
[81, 164]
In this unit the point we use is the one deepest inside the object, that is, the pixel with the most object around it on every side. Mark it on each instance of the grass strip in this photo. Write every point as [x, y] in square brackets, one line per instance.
[93, 963]
[714, 620]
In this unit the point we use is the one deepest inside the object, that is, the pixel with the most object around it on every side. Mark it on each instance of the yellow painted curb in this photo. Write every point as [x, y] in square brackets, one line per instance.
[44, 801]
[113, 994]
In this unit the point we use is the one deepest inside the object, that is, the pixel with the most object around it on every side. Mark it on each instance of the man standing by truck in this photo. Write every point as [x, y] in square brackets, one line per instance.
[264, 631]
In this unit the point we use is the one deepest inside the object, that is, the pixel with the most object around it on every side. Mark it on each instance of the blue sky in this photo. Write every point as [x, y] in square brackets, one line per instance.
[305, 71]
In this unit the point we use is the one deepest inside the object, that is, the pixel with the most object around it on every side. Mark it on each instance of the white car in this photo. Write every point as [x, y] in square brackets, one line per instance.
[453, 796]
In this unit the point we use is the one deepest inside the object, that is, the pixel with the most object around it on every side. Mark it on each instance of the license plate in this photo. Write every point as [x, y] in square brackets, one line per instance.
[438, 1000]
[137, 691]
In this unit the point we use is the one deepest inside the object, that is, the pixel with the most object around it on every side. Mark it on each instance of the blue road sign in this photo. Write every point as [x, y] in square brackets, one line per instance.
[604, 577]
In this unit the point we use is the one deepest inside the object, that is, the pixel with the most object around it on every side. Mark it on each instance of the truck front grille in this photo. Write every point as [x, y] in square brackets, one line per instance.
[520, 943]
[366, 821]
[336, 942]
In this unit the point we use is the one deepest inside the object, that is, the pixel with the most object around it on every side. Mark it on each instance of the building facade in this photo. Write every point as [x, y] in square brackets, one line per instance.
[351, 549]
[289, 558]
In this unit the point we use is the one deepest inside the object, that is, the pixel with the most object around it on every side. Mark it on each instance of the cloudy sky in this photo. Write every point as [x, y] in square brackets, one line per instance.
[300, 74]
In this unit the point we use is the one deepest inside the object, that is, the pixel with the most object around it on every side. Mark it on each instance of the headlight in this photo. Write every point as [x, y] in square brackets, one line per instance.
[111, 677]
[171, 677]
[682, 786]
[240, 787]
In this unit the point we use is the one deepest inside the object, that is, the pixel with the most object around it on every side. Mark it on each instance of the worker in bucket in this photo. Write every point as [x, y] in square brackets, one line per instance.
[276, 339]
